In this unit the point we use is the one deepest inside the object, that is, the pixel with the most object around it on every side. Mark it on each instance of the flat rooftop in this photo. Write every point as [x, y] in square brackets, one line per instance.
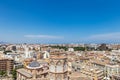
[25, 73]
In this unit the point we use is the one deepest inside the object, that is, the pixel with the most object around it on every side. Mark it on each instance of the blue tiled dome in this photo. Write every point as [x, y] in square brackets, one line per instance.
[34, 64]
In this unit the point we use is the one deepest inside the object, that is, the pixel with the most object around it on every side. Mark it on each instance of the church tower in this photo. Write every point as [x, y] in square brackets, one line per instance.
[58, 66]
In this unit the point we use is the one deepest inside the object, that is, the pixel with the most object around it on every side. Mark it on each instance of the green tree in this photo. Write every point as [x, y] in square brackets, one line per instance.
[14, 74]
[79, 48]
[3, 74]
[60, 47]
[5, 52]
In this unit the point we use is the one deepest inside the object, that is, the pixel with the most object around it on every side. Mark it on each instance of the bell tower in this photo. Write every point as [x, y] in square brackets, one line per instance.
[58, 66]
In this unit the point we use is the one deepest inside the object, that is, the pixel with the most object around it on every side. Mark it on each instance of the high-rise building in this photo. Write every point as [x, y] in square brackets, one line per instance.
[6, 65]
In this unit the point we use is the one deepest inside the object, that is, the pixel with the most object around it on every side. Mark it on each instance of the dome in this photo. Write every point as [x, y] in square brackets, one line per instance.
[34, 64]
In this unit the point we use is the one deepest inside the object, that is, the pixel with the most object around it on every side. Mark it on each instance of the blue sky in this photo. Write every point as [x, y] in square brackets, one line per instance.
[59, 21]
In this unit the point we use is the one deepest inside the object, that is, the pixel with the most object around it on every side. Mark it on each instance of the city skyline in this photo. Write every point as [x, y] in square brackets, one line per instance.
[61, 21]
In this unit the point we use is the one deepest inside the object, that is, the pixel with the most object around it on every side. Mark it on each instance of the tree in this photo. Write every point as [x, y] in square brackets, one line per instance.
[79, 48]
[8, 51]
[60, 47]
[3, 74]
[14, 74]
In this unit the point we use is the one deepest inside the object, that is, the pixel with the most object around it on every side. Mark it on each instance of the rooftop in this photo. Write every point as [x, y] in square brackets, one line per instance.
[34, 64]
[24, 72]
